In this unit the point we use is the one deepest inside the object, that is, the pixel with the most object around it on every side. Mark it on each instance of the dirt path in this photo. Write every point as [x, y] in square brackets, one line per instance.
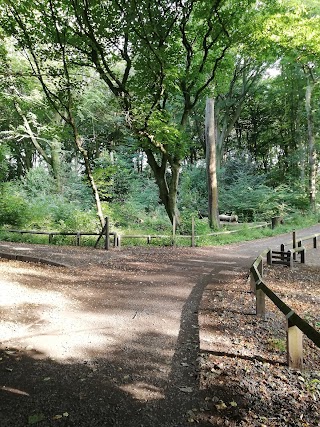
[119, 338]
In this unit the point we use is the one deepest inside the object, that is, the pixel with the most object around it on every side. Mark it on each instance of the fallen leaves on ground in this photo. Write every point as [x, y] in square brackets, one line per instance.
[243, 371]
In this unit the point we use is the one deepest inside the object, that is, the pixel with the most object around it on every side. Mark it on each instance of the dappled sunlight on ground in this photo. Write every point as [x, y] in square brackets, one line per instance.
[69, 316]
[114, 340]
[143, 391]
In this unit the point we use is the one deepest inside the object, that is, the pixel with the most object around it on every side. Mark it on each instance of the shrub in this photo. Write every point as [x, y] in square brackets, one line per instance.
[13, 206]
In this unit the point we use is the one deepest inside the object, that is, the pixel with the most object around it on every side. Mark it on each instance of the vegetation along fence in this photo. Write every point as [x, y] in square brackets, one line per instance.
[51, 234]
[296, 326]
[116, 238]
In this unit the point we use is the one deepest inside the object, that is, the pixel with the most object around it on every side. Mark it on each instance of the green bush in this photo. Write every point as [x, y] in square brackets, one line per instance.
[78, 220]
[38, 182]
[13, 206]
[193, 194]
[4, 166]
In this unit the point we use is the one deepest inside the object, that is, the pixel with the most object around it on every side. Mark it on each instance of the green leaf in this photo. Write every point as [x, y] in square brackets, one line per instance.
[36, 418]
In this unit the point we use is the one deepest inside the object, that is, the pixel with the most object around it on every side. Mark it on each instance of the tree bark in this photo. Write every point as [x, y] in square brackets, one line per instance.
[211, 162]
[54, 145]
[311, 143]
[167, 190]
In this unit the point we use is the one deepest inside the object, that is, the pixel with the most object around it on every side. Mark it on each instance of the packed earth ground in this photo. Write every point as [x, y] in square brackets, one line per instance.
[153, 337]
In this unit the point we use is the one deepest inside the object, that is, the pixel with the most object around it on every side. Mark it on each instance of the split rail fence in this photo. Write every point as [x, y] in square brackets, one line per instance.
[296, 326]
[116, 239]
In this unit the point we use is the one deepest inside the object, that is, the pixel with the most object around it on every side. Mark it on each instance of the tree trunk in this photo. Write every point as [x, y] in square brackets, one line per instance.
[167, 191]
[311, 146]
[78, 142]
[213, 208]
[55, 149]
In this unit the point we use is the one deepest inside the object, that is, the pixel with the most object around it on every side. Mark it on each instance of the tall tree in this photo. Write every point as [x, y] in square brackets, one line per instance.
[211, 143]
[51, 65]
[296, 32]
[311, 135]
[158, 58]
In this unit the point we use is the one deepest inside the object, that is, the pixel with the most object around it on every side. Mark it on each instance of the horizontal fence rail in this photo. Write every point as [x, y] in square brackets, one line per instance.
[296, 326]
[118, 238]
[51, 234]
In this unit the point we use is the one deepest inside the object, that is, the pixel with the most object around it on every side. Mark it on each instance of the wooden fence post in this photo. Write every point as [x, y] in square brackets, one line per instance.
[252, 283]
[269, 257]
[260, 303]
[260, 268]
[174, 230]
[106, 242]
[291, 256]
[315, 242]
[78, 239]
[294, 346]
[294, 244]
[192, 233]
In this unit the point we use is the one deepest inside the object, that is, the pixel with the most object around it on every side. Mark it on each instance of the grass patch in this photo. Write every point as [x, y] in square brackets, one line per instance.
[204, 236]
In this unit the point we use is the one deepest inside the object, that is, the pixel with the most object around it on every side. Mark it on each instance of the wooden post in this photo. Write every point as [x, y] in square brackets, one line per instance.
[78, 239]
[174, 230]
[294, 244]
[260, 303]
[252, 283]
[294, 346]
[303, 256]
[315, 242]
[269, 257]
[192, 233]
[50, 238]
[260, 268]
[282, 250]
[106, 241]
[105, 228]
[275, 221]
[290, 258]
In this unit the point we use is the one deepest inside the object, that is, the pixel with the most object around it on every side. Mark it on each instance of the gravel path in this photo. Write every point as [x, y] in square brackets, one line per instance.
[122, 338]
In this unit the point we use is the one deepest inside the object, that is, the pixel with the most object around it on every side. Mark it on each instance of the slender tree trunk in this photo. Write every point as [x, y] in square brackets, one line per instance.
[211, 161]
[173, 189]
[311, 146]
[94, 189]
[55, 148]
[167, 191]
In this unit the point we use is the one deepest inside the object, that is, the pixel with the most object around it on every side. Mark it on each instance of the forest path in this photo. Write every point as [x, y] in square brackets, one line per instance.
[113, 338]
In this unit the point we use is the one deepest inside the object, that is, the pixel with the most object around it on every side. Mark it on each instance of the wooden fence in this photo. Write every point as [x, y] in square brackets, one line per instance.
[297, 242]
[286, 257]
[296, 326]
[51, 234]
[117, 238]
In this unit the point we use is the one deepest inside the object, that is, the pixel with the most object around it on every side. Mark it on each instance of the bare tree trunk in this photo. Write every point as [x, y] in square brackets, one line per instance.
[211, 161]
[311, 142]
